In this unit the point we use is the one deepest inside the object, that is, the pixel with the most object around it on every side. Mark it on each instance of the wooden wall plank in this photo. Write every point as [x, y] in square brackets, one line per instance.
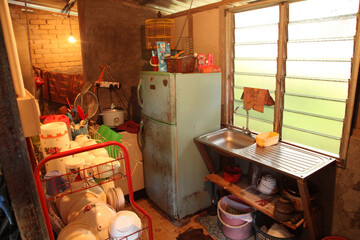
[349, 111]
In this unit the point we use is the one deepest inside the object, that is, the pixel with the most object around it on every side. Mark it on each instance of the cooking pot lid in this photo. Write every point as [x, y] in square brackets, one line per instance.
[112, 109]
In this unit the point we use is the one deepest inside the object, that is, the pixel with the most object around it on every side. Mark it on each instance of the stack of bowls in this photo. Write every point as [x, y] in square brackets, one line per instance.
[284, 209]
[267, 184]
[125, 224]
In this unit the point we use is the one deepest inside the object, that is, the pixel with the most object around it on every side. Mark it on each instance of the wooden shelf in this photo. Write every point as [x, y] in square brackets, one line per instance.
[251, 196]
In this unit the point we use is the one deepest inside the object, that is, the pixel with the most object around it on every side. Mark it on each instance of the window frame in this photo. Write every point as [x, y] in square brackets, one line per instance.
[281, 71]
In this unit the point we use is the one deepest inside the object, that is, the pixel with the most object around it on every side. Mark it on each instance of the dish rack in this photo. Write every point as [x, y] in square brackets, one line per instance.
[115, 150]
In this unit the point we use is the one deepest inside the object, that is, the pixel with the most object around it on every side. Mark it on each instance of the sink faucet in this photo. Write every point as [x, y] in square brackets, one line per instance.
[246, 131]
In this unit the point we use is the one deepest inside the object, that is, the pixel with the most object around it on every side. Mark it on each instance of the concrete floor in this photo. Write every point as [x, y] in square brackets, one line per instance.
[162, 227]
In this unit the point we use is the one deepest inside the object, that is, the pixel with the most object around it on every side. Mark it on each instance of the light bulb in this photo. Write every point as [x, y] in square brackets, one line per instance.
[71, 39]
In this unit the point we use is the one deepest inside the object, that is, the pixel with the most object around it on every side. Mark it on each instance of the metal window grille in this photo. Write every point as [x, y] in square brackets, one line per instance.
[319, 51]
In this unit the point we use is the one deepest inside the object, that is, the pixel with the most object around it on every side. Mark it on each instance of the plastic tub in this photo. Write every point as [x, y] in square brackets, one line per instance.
[235, 203]
[240, 232]
[267, 139]
[232, 174]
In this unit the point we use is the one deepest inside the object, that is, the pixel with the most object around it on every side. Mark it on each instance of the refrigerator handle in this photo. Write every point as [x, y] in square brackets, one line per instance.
[140, 139]
[140, 102]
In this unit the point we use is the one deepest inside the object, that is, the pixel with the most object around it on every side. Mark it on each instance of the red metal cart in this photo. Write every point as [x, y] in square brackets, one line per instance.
[115, 150]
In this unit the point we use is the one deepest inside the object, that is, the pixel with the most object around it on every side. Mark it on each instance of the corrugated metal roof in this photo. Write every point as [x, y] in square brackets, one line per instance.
[174, 6]
[165, 6]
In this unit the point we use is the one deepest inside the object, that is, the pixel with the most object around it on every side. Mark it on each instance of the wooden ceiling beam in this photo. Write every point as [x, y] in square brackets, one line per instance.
[160, 8]
[143, 2]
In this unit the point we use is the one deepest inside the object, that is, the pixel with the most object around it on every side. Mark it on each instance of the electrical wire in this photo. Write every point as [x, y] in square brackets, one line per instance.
[97, 95]
[70, 23]
[113, 80]
[28, 30]
[182, 30]
[29, 41]
[111, 99]
[118, 96]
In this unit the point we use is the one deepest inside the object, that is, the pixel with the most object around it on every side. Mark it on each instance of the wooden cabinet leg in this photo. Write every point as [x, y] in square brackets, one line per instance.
[205, 156]
[305, 199]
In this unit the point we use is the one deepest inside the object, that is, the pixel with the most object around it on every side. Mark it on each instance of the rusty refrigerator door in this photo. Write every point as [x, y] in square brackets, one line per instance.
[159, 165]
[159, 147]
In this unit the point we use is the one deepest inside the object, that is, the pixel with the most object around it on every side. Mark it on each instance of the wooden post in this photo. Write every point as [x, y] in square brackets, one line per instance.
[281, 67]
[355, 64]
[228, 74]
[305, 199]
[205, 156]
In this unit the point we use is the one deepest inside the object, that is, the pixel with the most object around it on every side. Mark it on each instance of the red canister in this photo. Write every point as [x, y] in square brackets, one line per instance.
[59, 118]
[154, 62]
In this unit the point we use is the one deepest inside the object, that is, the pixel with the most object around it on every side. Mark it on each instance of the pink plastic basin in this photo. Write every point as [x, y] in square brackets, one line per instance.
[240, 232]
[236, 203]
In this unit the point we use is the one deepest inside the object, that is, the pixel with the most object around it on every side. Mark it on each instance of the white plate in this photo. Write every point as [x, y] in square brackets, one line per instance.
[67, 201]
[108, 185]
[120, 199]
[78, 231]
[116, 198]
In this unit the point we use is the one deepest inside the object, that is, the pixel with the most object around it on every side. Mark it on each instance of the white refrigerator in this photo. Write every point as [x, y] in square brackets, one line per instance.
[176, 108]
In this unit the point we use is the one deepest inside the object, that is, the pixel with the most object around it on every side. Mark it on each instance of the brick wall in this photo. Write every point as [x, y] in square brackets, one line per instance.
[49, 45]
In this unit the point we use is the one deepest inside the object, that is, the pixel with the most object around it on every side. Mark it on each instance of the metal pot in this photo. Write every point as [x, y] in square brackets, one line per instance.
[112, 117]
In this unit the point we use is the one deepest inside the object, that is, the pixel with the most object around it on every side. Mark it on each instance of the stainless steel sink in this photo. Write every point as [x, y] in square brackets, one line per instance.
[227, 139]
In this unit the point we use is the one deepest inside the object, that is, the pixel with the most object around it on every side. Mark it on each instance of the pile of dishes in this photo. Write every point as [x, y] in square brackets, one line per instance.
[90, 205]
[75, 170]
[89, 214]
